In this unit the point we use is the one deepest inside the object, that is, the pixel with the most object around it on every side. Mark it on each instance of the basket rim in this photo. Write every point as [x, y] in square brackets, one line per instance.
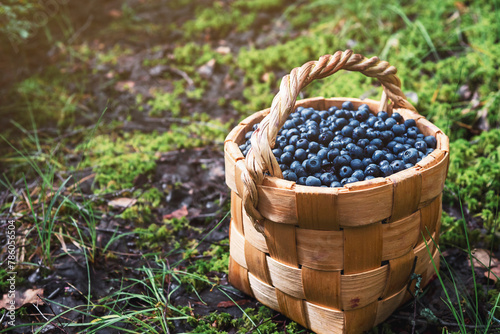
[442, 145]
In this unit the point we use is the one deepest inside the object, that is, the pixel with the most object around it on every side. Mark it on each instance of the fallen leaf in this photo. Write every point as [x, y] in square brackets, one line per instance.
[179, 213]
[122, 202]
[207, 70]
[29, 296]
[123, 86]
[115, 13]
[483, 258]
[491, 274]
[229, 303]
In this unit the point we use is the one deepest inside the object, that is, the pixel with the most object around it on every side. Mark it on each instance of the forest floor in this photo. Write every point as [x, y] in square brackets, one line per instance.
[114, 115]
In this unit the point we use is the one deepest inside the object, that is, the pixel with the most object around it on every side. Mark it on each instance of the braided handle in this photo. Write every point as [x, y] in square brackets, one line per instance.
[260, 157]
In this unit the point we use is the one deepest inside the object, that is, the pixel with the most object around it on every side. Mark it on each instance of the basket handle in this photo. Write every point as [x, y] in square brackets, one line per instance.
[260, 158]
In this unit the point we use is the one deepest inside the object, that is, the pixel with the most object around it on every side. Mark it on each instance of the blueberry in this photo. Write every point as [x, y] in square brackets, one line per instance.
[356, 152]
[347, 105]
[358, 174]
[412, 133]
[289, 148]
[283, 167]
[286, 158]
[326, 137]
[335, 144]
[340, 161]
[356, 164]
[315, 117]
[292, 132]
[386, 170]
[363, 142]
[390, 122]
[293, 140]
[281, 141]
[332, 154]
[325, 163]
[277, 152]
[429, 151]
[372, 170]
[380, 126]
[244, 147]
[400, 140]
[358, 133]
[421, 146]
[323, 114]
[398, 148]
[369, 177]
[327, 178]
[372, 134]
[313, 181]
[302, 143]
[351, 180]
[431, 141]
[345, 172]
[408, 165]
[361, 115]
[340, 122]
[300, 171]
[397, 117]
[298, 121]
[335, 184]
[397, 166]
[289, 124]
[289, 175]
[248, 135]
[378, 156]
[366, 162]
[302, 180]
[313, 165]
[314, 147]
[377, 142]
[410, 156]
[312, 134]
[409, 123]
[371, 120]
[332, 109]
[346, 141]
[390, 157]
[284, 132]
[383, 115]
[369, 150]
[300, 154]
[398, 129]
[354, 123]
[386, 136]
[306, 113]
[410, 141]
[322, 154]
[255, 126]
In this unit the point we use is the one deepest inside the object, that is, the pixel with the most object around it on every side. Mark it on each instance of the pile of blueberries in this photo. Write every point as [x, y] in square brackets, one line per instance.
[333, 147]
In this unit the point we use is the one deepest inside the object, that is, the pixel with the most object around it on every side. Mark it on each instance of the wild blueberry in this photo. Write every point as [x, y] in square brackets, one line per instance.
[358, 174]
[358, 133]
[322, 154]
[289, 148]
[380, 126]
[383, 115]
[312, 134]
[363, 142]
[326, 137]
[386, 136]
[378, 156]
[366, 162]
[302, 143]
[341, 122]
[361, 115]
[421, 146]
[277, 152]
[347, 105]
[300, 171]
[431, 141]
[313, 165]
[302, 180]
[372, 170]
[289, 175]
[293, 140]
[390, 122]
[292, 132]
[289, 124]
[314, 147]
[386, 170]
[327, 178]
[398, 148]
[409, 123]
[411, 133]
[281, 141]
[369, 150]
[286, 158]
[377, 142]
[340, 161]
[397, 117]
[313, 181]
[345, 172]
[410, 156]
[316, 118]
[354, 123]
[332, 154]
[356, 164]
[300, 154]
[410, 141]
[398, 129]
[397, 166]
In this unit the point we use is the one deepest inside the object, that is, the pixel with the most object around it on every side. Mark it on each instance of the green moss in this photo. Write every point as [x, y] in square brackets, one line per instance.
[474, 176]
[119, 159]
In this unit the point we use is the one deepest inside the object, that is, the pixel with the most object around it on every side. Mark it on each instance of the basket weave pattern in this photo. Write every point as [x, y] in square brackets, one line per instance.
[335, 260]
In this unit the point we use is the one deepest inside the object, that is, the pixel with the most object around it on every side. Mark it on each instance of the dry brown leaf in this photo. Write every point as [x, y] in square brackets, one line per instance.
[482, 257]
[491, 274]
[29, 296]
[226, 304]
[182, 212]
[122, 202]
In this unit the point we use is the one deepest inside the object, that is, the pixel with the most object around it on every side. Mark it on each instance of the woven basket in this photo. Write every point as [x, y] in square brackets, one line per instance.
[335, 260]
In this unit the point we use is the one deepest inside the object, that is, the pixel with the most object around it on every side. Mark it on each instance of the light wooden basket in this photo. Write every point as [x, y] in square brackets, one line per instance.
[335, 260]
